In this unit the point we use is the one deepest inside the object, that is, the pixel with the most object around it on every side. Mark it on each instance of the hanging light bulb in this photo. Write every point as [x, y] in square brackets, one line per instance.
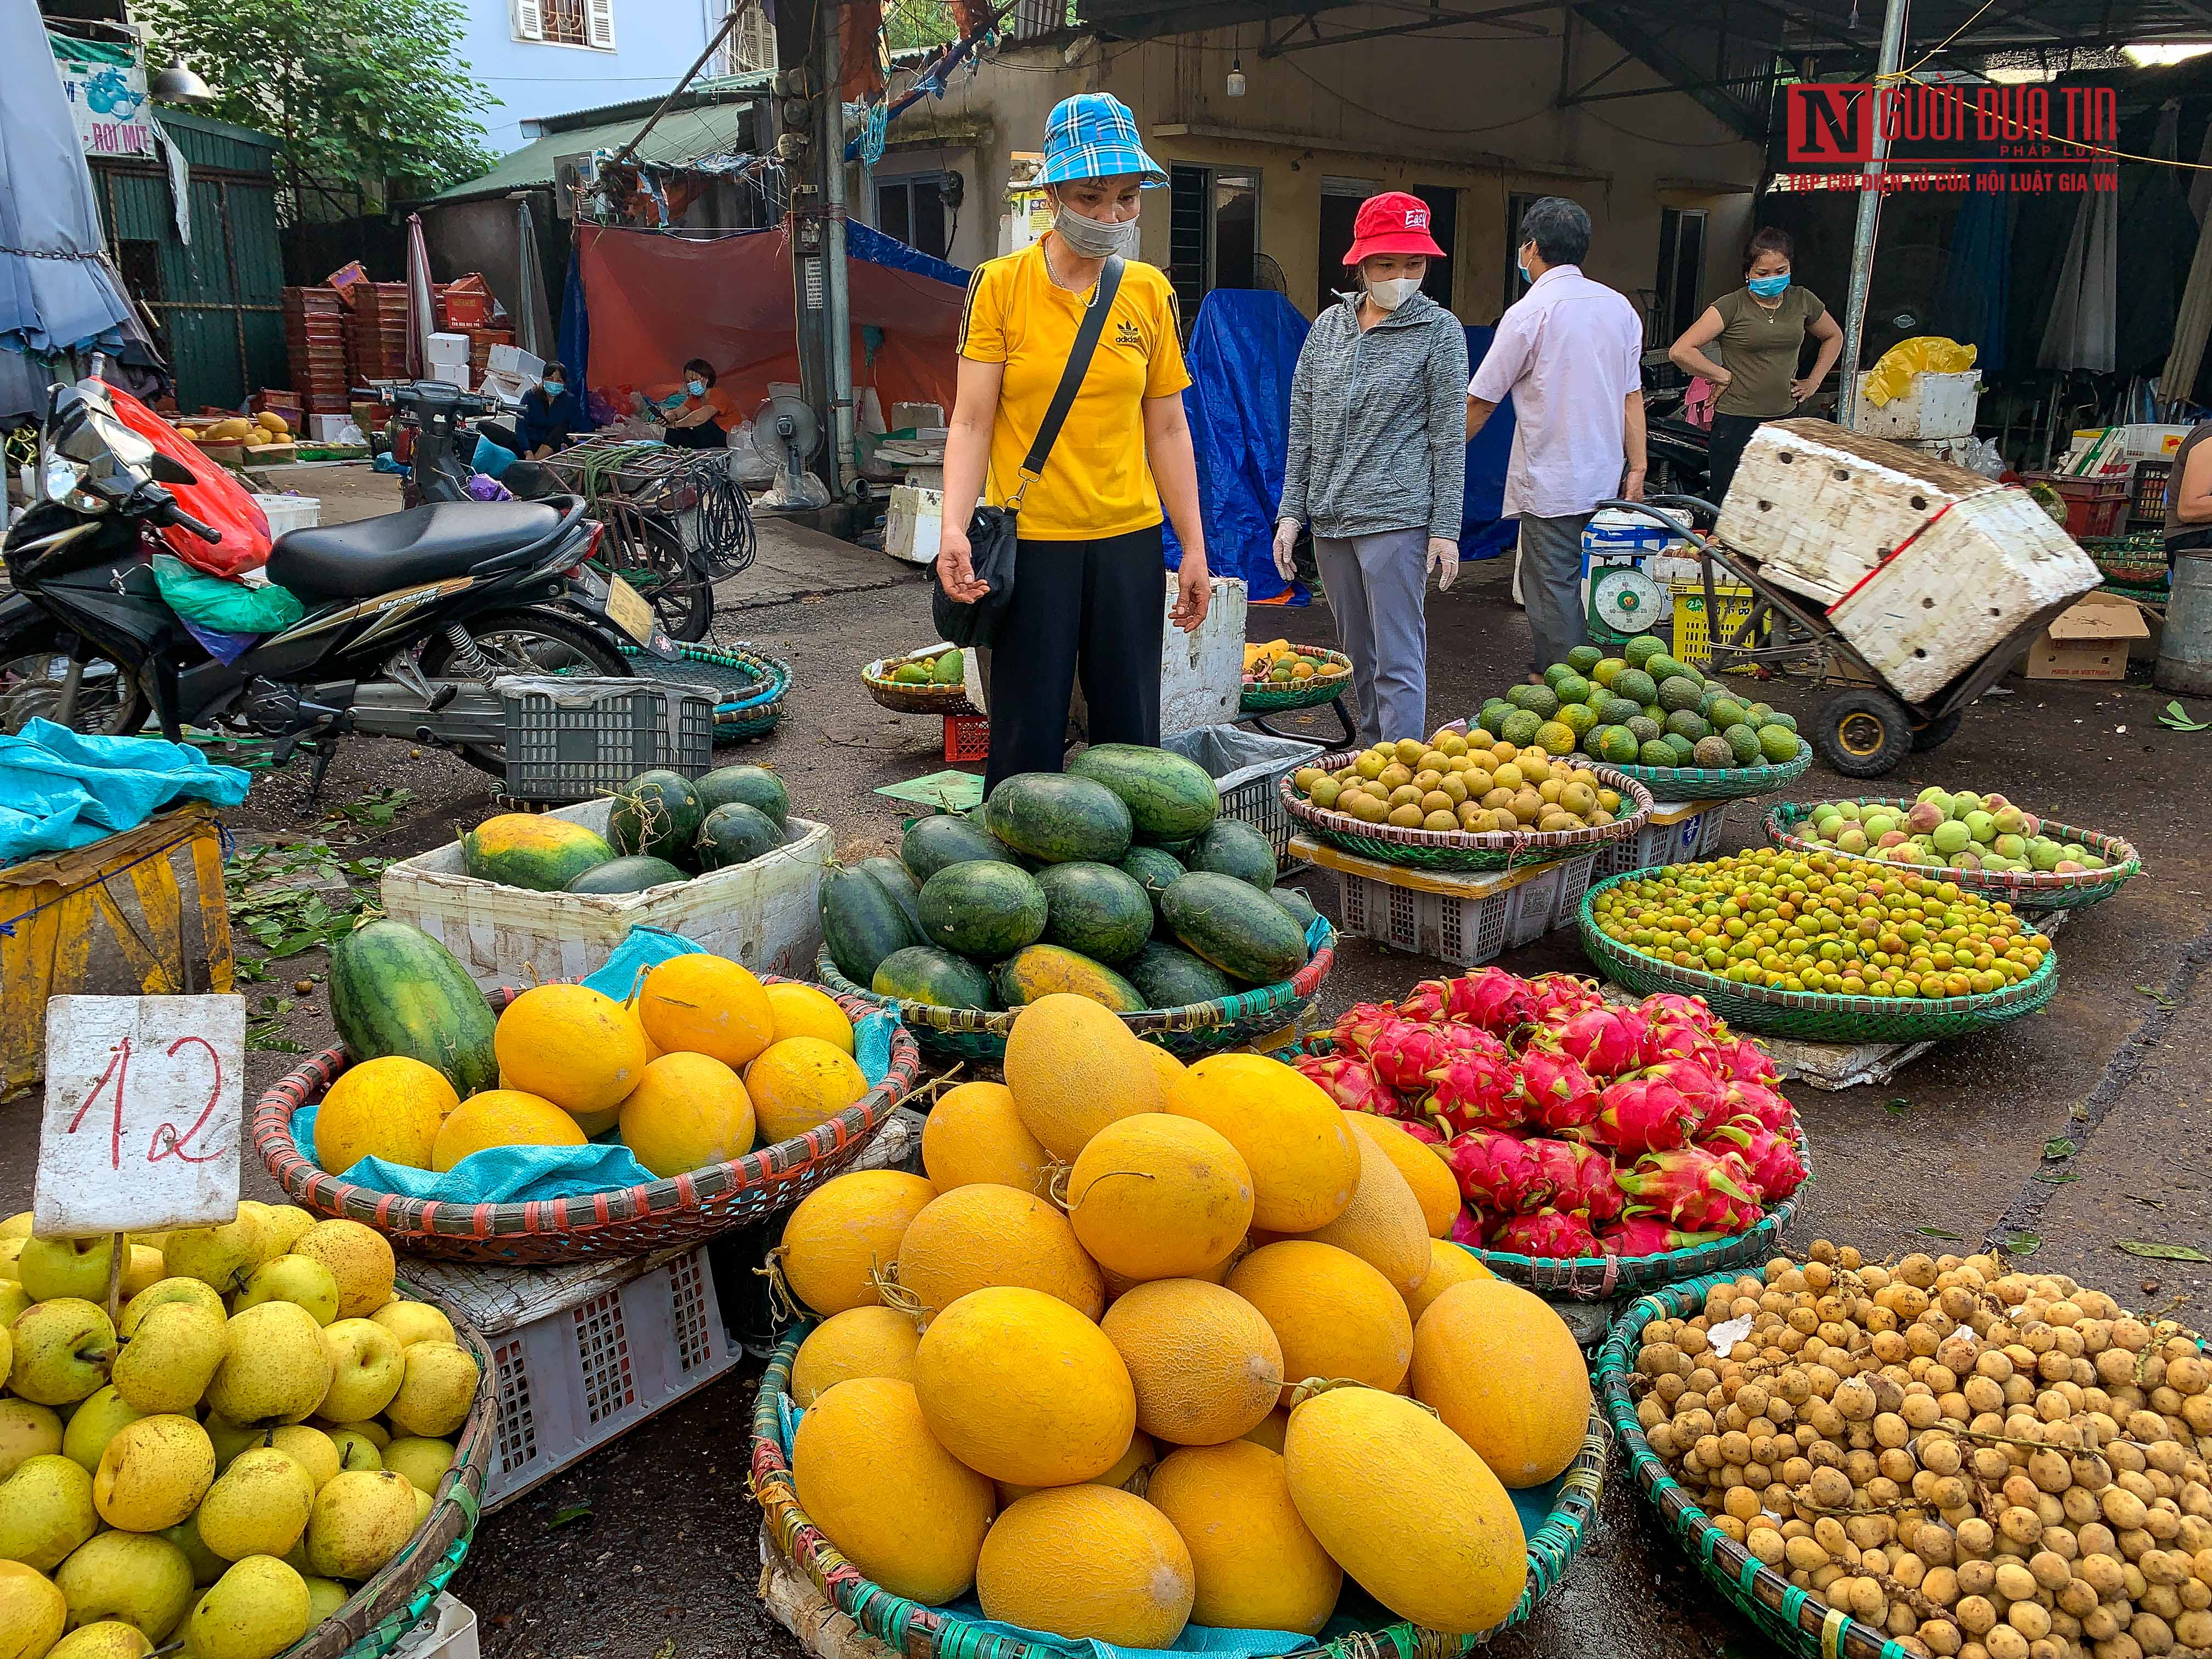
[1236, 76]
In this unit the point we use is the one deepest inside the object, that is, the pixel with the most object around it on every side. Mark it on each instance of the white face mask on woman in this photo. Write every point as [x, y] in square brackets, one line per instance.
[1096, 239]
[1389, 293]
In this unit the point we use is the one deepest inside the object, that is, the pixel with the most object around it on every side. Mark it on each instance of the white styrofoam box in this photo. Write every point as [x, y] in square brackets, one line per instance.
[446, 346]
[1612, 531]
[513, 360]
[448, 1630]
[325, 428]
[1817, 507]
[1464, 918]
[1986, 576]
[763, 914]
[286, 512]
[913, 525]
[1931, 406]
[1677, 832]
[583, 1352]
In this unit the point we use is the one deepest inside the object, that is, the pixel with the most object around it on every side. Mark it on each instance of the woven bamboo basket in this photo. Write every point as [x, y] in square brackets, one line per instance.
[382, 1611]
[1458, 849]
[630, 1221]
[1819, 1016]
[1720, 782]
[1195, 1029]
[1325, 686]
[2029, 889]
[927, 699]
[920, 1631]
[752, 685]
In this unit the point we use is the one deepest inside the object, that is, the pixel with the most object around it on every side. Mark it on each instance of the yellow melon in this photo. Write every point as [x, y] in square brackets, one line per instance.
[501, 1117]
[1088, 1562]
[1453, 1558]
[846, 1230]
[898, 1505]
[1021, 1386]
[707, 1004]
[1334, 1315]
[1157, 1196]
[1449, 1264]
[687, 1111]
[800, 1083]
[1136, 1460]
[1268, 1431]
[1258, 1566]
[1504, 1373]
[983, 1234]
[1305, 1164]
[807, 1011]
[857, 1342]
[389, 1107]
[1206, 1367]
[1164, 1063]
[1074, 1068]
[1383, 1226]
[568, 1043]
[595, 1124]
[973, 1133]
[1422, 1165]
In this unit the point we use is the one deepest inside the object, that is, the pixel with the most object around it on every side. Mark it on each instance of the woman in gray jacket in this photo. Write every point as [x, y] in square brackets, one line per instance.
[1377, 462]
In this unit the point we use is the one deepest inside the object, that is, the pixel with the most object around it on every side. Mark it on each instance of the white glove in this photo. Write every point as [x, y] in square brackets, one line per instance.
[1444, 557]
[1286, 538]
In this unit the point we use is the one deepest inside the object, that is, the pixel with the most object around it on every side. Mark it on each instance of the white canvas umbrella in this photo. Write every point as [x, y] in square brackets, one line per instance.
[2085, 311]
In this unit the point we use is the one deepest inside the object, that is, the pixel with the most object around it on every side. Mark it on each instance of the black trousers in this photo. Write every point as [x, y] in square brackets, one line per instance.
[1725, 447]
[1092, 609]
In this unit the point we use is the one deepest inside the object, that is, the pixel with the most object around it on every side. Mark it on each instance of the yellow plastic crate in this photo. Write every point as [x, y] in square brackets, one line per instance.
[1693, 639]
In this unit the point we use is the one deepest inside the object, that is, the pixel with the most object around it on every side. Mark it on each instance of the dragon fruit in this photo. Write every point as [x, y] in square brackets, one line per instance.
[1747, 1062]
[1767, 1105]
[1640, 1235]
[1475, 1092]
[1496, 1171]
[1776, 1170]
[1467, 1227]
[1421, 1129]
[1558, 997]
[1554, 1233]
[1581, 1178]
[1607, 1042]
[1559, 1093]
[1696, 1083]
[1643, 1113]
[1406, 1055]
[1358, 1026]
[1696, 1190]
[1350, 1082]
[1490, 999]
[1428, 1003]
[1668, 1038]
[1676, 1009]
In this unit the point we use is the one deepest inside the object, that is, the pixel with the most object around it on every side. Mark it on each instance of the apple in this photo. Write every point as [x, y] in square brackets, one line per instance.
[62, 1351]
[51, 1267]
[295, 1279]
[168, 1366]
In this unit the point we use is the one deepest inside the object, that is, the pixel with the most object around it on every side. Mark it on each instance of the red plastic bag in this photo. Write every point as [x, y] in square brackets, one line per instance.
[217, 499]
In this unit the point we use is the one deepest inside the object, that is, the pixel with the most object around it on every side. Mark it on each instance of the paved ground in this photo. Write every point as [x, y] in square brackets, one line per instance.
[2084, 1127]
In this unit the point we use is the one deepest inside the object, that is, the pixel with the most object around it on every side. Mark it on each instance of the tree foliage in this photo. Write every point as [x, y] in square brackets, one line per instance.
[351, 89]
[911, 23]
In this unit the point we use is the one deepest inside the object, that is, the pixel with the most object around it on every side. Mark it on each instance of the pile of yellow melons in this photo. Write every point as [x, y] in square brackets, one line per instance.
[1136, 1354]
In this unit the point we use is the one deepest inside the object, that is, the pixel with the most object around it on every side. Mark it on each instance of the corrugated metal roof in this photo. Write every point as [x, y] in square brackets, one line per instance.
[681, 135]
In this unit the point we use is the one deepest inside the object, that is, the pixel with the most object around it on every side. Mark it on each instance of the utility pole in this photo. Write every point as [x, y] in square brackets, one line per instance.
[1870, 217]
[811, 144]
[836, 309]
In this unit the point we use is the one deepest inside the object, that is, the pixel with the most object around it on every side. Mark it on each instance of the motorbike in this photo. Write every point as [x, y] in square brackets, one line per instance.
[410, 617]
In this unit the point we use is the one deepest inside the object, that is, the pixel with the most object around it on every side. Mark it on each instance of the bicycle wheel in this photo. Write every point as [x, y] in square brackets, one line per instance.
[646, 551]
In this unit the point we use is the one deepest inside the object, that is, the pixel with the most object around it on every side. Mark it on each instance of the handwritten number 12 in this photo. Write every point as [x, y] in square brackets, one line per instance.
[167, 1141]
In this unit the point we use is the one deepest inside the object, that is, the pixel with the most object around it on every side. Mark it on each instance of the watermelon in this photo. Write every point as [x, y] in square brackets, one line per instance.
[893, 878]
[922, 972]
[1235, 848]
[1295, 904]
[1169, 798]
[655, 814]
[1095, 908]
[1171, 977]
[755, 786]
[633, 874]
[936, 842]
[1236, 927]
[861, 924]
[1155, 869]
[736, 834]
[395, 990]
[1059, 818]
[983, 908]
[1041, 969]
[543, 854]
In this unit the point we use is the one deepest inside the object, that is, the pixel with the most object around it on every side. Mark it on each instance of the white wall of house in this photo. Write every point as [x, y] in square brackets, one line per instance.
[542, 57]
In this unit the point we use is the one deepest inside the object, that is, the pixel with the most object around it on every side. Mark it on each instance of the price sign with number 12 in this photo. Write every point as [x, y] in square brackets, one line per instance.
[145, 1096]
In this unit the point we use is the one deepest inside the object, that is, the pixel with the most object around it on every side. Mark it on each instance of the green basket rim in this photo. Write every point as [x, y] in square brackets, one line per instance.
[2014, 886]
[1306, 694]
[1460, 848]
[1720, 783]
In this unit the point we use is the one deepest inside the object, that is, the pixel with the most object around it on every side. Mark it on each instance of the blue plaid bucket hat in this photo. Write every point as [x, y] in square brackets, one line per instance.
[1094, 136]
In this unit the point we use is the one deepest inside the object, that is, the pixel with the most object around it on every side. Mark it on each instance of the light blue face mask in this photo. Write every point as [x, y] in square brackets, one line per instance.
[554, 388]
[696, 388]
[1521, 265]
[1767, 287]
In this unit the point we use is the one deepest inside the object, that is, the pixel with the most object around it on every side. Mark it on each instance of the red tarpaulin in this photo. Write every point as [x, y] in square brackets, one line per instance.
[658, 300]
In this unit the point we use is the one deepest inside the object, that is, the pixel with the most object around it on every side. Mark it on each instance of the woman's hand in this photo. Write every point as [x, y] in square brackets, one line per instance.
[1193, 593]
[954, 568]
[1721, 377]
[1286, 541]
[1443, 561]
[1801, 390]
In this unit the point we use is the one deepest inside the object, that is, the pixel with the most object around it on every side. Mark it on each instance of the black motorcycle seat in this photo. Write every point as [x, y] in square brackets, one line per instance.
[369, 557]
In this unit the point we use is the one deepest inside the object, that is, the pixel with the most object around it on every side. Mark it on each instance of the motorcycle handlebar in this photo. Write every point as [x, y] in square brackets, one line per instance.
[172, 513]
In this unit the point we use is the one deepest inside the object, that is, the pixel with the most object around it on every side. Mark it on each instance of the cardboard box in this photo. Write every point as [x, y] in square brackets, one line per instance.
[2088, 640]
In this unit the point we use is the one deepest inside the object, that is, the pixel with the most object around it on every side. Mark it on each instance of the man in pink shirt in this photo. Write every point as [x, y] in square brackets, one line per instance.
[1569, 353]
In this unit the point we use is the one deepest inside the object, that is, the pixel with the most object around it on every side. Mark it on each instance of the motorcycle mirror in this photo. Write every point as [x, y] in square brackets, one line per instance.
[168, 471]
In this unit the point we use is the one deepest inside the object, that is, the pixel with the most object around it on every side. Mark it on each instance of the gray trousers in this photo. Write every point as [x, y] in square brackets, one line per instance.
[1376, 586]
[1552, 587]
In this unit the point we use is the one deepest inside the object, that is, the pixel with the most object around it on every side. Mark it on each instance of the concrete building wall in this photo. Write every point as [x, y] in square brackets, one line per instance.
[654, 42]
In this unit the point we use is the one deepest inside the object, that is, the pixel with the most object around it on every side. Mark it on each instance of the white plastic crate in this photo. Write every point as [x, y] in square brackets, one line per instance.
[285, 514]
[1676, 833]
[1466, 918]
[448, 1630]
[584, 1352]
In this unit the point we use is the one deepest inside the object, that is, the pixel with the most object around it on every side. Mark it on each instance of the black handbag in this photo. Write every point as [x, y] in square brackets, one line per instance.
[991, 531]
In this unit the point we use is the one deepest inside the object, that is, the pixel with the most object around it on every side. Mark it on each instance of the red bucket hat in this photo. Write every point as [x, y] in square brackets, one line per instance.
[1392, 222]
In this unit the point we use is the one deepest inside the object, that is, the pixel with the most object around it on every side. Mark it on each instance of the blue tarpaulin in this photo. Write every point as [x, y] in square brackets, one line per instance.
[1482, 533]
[60, 788]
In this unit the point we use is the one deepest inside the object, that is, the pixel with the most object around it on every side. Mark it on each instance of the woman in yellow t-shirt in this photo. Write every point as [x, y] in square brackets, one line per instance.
[1091, 588]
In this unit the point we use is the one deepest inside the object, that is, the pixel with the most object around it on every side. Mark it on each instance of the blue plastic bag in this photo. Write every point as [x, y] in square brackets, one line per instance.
[60, 788]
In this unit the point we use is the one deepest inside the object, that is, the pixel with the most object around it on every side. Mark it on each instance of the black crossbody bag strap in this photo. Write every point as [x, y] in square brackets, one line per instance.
[1071, 378]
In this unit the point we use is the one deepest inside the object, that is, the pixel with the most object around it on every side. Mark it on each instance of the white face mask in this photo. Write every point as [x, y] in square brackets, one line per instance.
[1391, 292]
[1094, 239]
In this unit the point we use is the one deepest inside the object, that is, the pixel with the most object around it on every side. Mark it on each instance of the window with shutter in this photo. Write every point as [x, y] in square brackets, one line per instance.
[528, 18]
[600, 24]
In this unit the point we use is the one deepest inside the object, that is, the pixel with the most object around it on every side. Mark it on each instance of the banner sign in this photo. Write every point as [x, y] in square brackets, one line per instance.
[105, 85]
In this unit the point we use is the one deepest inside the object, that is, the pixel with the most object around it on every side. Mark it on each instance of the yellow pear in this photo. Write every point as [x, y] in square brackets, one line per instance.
[17, 1225]
[139, 1578]
[373, 1431]
[423, 1504]
[25, 1431]
[108, 1640]
[274, 1368]
[359, 1257]
[10, 1248]
[94, 1424]
[192, 1291]
[49, 1267]
[154, 1472]
[62, 1349]
[231, 1438]
[46, 1511]
[311, 1449]
[326, 1596]
[224, 1257]
[440, 1386]
[263, 1216]
[422, 1460]
[360, 1520]
[15, 1302]
[259, 1506]
[207, 1566]
[33, 1612]
[295, 1279]
[356, 1451]
[366, 1369]
[255, 1611]
[147, 1267]
[283, 1224]
[410, 1322]
[168, 1366]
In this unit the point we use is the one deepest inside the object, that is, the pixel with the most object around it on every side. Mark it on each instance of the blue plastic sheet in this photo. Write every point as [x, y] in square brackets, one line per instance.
[1483, 534]
[60, 789]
